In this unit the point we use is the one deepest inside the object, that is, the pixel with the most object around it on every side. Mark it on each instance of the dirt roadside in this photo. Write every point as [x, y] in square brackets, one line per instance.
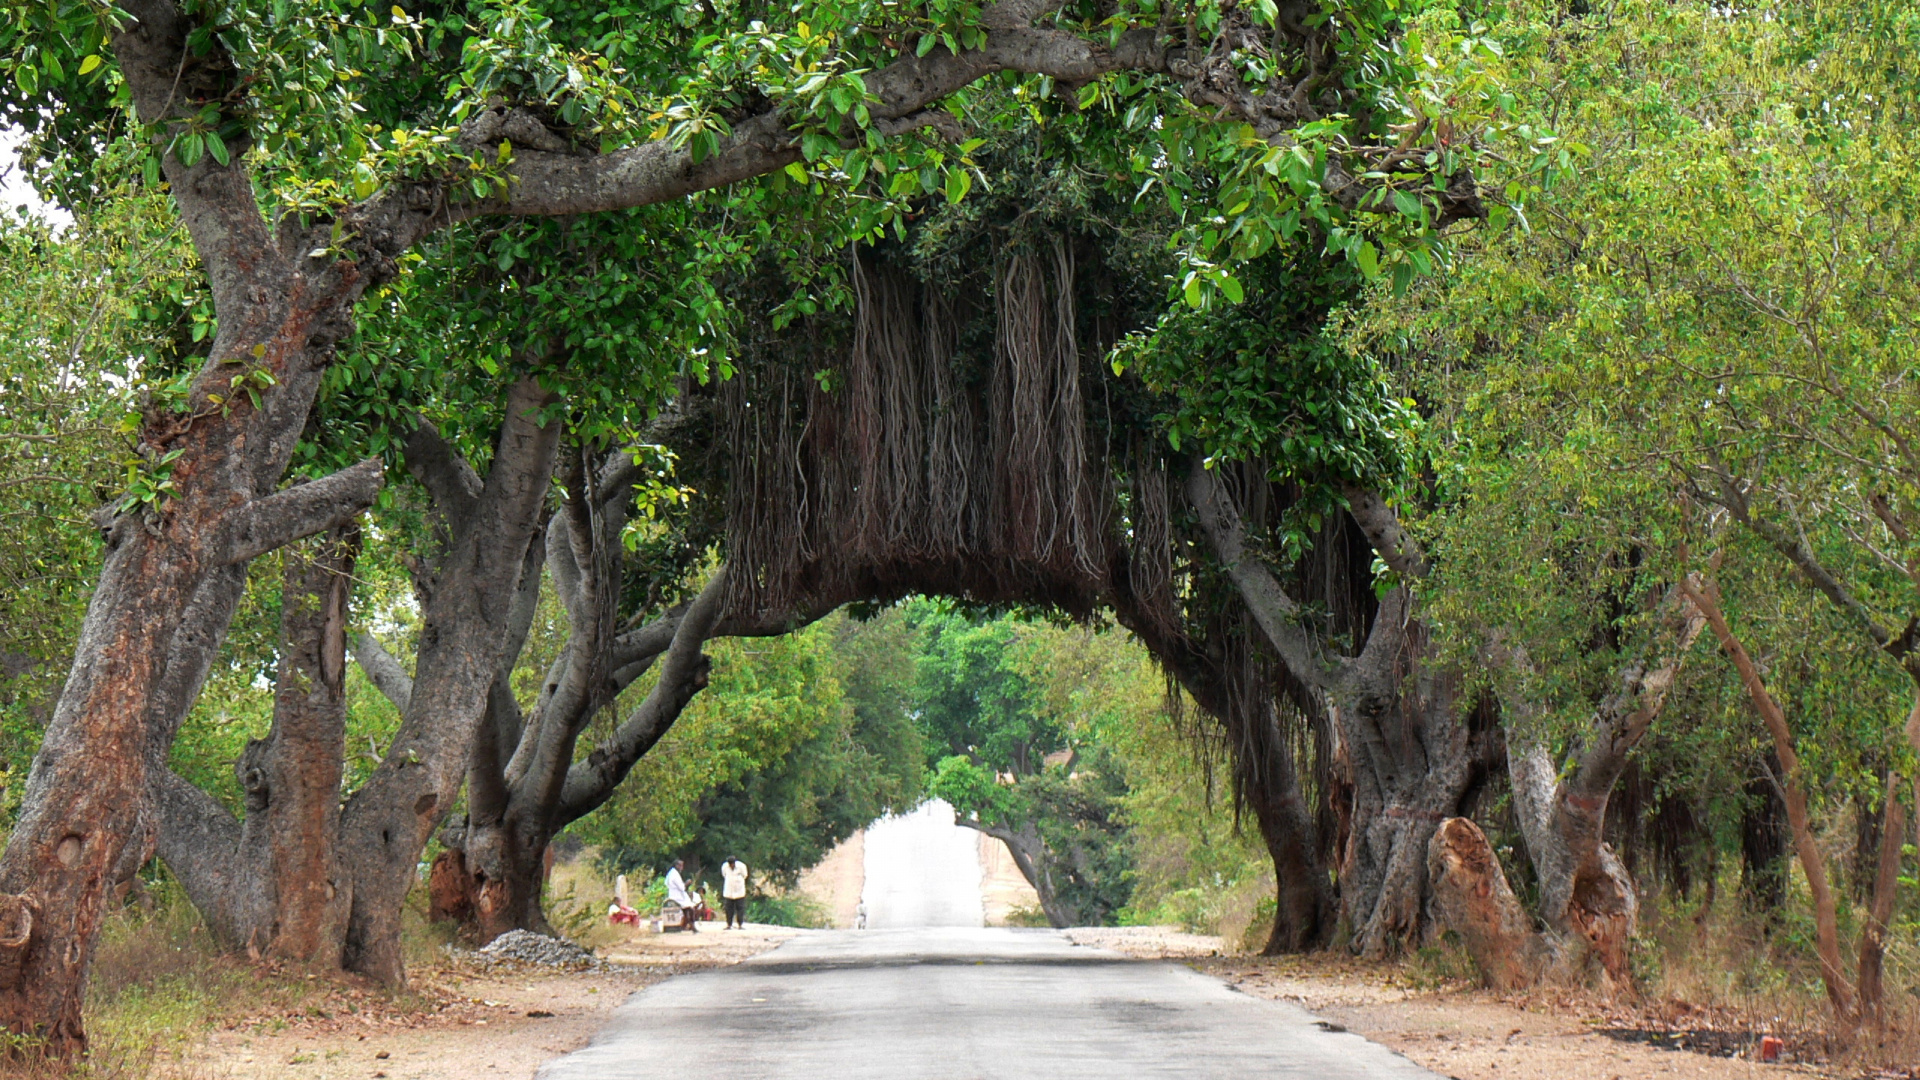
[1455, 1030]
[459, 1020]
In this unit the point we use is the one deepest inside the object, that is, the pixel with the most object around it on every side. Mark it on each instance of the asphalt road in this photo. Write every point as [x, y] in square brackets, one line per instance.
[922, 870]
[963, 1004]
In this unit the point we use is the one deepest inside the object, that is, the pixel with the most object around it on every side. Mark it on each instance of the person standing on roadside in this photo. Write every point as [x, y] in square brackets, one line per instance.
[733, 892]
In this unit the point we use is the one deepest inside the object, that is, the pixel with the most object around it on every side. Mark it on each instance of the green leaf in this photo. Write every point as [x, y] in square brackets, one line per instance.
[89, 64]
[217, 146]
[1369, 261]
[959, 182]
[1231, 286]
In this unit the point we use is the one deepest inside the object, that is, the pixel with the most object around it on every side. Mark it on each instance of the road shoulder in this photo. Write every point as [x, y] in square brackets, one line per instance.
[1447, 1026]
[458, 1019]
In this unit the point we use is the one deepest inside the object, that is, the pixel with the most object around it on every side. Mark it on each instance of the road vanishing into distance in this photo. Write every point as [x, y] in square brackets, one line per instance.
[922, 870]
[927, 993]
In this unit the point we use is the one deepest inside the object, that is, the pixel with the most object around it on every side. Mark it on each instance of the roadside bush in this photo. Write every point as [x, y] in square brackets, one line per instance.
[787, 911]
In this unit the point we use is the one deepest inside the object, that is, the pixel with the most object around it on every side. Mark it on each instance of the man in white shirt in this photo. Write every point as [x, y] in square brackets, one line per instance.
[733, 892]
[678, 892]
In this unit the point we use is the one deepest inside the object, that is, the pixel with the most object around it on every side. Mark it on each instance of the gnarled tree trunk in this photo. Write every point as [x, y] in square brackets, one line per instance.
[1585, 892]
[1471, 897]
[1413, 757]
[466, 625]
[270, 884]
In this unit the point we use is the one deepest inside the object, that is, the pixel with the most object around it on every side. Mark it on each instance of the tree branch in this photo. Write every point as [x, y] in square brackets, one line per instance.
[1796, 551]
[449, 480]
[1274, 611]
[300, 511]
[683, 674]
[385, 672]
[1383, 530]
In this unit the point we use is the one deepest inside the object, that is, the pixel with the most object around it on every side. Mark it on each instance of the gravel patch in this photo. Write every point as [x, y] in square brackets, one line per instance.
[527, 947]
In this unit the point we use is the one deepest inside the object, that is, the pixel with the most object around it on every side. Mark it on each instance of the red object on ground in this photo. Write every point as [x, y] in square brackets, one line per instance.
[625, 915]
[1770, 1048]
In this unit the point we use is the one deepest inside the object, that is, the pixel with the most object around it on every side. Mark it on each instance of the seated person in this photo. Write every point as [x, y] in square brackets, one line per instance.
[678, 893]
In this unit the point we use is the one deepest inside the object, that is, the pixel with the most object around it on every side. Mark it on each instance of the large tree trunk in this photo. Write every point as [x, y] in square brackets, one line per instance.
[86, 797]
[466, 624]
[271, 884]
[213, 467]
[1413, 757]
[1414, 761]
[1585, 891]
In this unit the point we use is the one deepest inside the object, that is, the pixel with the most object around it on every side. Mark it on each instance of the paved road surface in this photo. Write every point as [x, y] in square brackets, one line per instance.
[964, 1004]
[922, 870]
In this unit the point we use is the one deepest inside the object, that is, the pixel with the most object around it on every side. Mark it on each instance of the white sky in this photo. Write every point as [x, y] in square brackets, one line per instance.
[14, 189]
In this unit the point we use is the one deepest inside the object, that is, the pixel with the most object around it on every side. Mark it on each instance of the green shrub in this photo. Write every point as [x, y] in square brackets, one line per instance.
[786, 911]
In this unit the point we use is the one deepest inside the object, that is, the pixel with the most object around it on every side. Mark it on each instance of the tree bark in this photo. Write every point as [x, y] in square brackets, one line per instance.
[465, 627]
[270, 884]
[1472, 898]
[1413, 759]
[1585, 892]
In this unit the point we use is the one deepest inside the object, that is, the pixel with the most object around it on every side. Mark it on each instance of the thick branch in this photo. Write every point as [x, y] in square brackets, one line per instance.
[547, 183]
[1272, 608]
[1382, 527]
[683, 674]
[216, 202]
[301, 511]
[449, 480]
[385, 672]
[1623, 717]
[200, 841]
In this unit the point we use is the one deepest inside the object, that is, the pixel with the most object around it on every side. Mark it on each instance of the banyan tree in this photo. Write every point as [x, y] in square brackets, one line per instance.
[962, 432]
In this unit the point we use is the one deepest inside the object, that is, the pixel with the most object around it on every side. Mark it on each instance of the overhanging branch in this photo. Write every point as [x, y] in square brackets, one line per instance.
[300, 511]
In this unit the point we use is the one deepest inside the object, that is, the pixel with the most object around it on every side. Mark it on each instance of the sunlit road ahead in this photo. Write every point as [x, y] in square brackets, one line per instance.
[922, 870]
[963, 1004]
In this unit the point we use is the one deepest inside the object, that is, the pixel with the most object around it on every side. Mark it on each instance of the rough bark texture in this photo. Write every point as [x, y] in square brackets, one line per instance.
[1471, 897]
[1413, 756]
[270, 884]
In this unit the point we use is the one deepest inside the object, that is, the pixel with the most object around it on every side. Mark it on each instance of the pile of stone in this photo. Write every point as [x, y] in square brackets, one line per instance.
[527, 947]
